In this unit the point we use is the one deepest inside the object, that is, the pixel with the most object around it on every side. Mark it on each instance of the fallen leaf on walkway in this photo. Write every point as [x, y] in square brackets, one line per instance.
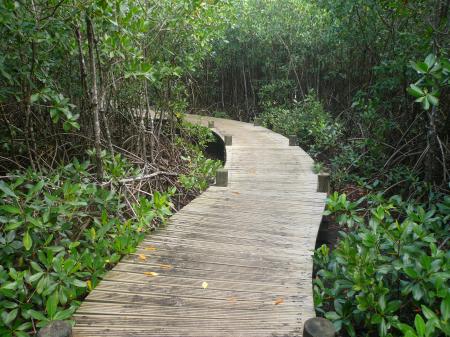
[237, 193]
[279, 300]
[150, 248]
[142, 257]
[231, 299]
[205, 285]
[165, 266]
[150, 273]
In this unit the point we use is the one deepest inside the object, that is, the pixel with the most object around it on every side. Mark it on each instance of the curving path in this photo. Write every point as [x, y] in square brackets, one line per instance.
[234, 262]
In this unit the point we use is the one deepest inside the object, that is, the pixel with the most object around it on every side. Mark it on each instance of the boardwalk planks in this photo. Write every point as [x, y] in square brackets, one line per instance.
[234, 262]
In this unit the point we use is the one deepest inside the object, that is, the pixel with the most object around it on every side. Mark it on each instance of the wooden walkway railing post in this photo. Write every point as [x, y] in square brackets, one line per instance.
[56, 329]
[323, 184]
[293, 140]
[318, 327]
[210, 124]
[222, 178]
[228, 140]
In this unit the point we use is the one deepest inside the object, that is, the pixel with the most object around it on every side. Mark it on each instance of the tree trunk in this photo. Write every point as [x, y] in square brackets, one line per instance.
[83, 79]
[431, 162]
[149, 121]
[94, 97]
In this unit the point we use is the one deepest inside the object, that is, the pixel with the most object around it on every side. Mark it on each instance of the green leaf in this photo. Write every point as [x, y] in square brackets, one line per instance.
[428, 313]
[10, 209]
[417, 292]
[21, 334]
[420, 325]
[393, 306]
[35, 189]
[382, 328]
[79, 283]
[430, 60]
[9, 286]
[36, 266]
[426, 103]
[35, 277]
[34, 98]
[411, 272]
[63, 314]
[382, 303]
[420, 67]
[410, 334]
[52, 304]
[6, 190]
[433, 100]
[24, 326]
[37, 315]
[8, 317]
[332, 315]
[405, 328]
[445, 308]
[27, 241]
[415, 91]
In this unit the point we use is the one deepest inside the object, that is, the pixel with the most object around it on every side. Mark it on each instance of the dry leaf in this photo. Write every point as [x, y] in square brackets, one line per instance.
[231, 299]
[151, 273]
[165, 266]
[279, 300]
[205, 285]
[237, 193]
[142, 257]
[150, 248]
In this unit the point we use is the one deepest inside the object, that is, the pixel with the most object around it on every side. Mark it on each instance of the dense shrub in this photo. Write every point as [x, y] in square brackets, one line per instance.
[390, 268]
[62, 230]
[202, 169]
[59, 234]
[307, 119]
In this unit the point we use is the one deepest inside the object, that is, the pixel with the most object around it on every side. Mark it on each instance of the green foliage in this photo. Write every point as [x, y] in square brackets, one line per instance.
[220, 114]
[277, 93]
[59, 234]
[346, 210]
[355, 55]
[318, 167]
[394, 262]
[203, 171]
[307, 119]
[195, 136]
[434, 75]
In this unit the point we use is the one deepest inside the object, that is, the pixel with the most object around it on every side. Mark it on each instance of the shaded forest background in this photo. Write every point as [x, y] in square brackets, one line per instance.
[355, 56]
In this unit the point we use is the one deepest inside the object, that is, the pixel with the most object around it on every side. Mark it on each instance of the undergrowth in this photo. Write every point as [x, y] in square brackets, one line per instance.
[62, 230]
[388, 273]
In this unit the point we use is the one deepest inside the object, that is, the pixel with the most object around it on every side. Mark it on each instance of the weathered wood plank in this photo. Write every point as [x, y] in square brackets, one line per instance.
[251, 242]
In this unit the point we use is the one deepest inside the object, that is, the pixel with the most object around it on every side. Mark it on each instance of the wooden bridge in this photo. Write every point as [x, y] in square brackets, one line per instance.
[234, 262]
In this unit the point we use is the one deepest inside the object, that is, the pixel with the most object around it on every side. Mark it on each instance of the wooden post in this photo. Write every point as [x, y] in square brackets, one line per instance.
[210, 124]
[318, 327]
[222, 178]
[293, 141]
[323, 184]
[56, 329]
[228, 140]
[257, 121]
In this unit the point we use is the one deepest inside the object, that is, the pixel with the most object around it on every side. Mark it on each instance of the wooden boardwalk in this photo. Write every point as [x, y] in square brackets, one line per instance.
[234, 262]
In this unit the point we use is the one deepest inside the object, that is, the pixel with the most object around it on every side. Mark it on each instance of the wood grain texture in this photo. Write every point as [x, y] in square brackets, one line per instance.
[251, 242]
